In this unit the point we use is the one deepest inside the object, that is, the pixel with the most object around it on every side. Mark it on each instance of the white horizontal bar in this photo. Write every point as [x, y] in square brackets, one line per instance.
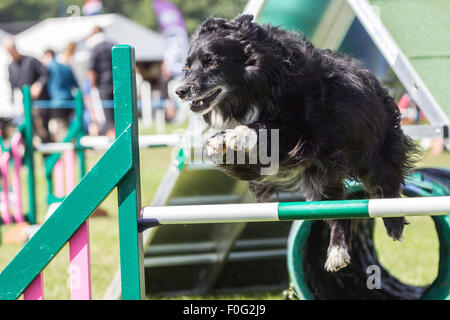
[103, 142]
[259, 212]
[255, 255]
[409, 207]
[180, 260]
[209, 258]
[159, 139]
[55, 147]
[251, 212]
[184, 248]
[419, 131]
[258, 243]
[96, 142]
[208, 246]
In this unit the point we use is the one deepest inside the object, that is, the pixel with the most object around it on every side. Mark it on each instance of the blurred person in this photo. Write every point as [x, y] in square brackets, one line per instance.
[62, 80]
[411, 115]
[67, 56]
[25, 70]
[139, 81]
[169, 106]
[90, 122]
[100, 75]
[60, 85]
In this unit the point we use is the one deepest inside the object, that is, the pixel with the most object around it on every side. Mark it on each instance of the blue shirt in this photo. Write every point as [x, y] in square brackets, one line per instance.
[61, 81]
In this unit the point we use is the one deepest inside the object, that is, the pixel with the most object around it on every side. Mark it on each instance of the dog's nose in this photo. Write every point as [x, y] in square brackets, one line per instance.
[182, 91]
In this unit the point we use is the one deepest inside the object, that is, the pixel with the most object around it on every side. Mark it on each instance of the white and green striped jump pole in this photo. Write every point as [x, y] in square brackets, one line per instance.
[287, 211]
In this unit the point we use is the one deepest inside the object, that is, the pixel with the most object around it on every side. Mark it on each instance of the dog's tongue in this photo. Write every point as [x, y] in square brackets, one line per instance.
[197, 105]
[200, 105]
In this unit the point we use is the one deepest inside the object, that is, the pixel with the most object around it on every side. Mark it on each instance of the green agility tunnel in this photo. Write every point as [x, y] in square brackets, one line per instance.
[308, 242]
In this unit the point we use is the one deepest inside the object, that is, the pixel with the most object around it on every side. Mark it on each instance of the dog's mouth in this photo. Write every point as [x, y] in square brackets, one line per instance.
[200, 105]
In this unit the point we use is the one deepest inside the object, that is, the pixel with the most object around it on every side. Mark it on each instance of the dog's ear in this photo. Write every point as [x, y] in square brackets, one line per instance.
[212, 24]
[244, 19]
[241, 23]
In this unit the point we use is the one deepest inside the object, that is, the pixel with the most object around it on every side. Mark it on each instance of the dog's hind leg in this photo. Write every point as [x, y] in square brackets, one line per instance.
[390, 163]
[337, 254]
[390, 189]
[340, 233]
[394, 226]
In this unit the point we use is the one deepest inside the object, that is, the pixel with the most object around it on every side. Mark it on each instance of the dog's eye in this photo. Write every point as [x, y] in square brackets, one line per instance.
[212, 63]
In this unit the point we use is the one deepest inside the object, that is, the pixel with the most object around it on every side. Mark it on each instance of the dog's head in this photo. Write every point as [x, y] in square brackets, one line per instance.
[219, 65]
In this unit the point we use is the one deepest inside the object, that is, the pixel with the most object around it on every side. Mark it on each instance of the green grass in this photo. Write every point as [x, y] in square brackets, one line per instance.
[257, 295]
[413, 261]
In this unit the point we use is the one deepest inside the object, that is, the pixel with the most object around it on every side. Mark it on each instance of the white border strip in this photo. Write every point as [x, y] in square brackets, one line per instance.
[254, 7]
[251, 212]
[409, 207]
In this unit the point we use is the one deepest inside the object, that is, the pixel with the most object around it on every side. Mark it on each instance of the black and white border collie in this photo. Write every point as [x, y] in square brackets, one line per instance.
[335, 121]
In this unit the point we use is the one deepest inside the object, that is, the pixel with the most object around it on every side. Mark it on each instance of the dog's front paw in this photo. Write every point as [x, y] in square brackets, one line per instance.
[215, 145]
[337, 259]
[241, 138]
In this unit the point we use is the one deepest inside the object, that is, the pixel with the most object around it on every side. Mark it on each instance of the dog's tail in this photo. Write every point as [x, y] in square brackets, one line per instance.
[402, 147]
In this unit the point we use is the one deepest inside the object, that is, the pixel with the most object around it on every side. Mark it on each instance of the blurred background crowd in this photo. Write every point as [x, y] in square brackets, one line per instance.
[57, 47]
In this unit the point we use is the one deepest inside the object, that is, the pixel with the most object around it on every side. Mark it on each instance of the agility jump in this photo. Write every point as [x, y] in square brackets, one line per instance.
[289, 211]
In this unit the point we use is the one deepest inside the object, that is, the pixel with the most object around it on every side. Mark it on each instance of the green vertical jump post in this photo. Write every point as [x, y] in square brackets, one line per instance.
[29, 154]
[119, 166]
[75, 131]
[79, 109]
[128, 189]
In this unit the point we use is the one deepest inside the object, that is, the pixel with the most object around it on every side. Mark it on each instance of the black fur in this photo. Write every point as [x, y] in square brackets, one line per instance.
[335, 120]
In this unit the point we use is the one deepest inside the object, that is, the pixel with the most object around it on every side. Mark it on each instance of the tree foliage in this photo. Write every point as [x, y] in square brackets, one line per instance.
[141, 11]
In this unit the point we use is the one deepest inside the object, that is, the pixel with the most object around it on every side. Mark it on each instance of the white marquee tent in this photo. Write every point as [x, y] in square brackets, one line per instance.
[56, 33]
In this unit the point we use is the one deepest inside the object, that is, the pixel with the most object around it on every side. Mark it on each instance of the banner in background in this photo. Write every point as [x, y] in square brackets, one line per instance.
[176, 42]
[92, 7]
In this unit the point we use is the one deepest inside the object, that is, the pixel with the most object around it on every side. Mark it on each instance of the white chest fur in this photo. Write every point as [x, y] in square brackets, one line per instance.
[219, 123]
